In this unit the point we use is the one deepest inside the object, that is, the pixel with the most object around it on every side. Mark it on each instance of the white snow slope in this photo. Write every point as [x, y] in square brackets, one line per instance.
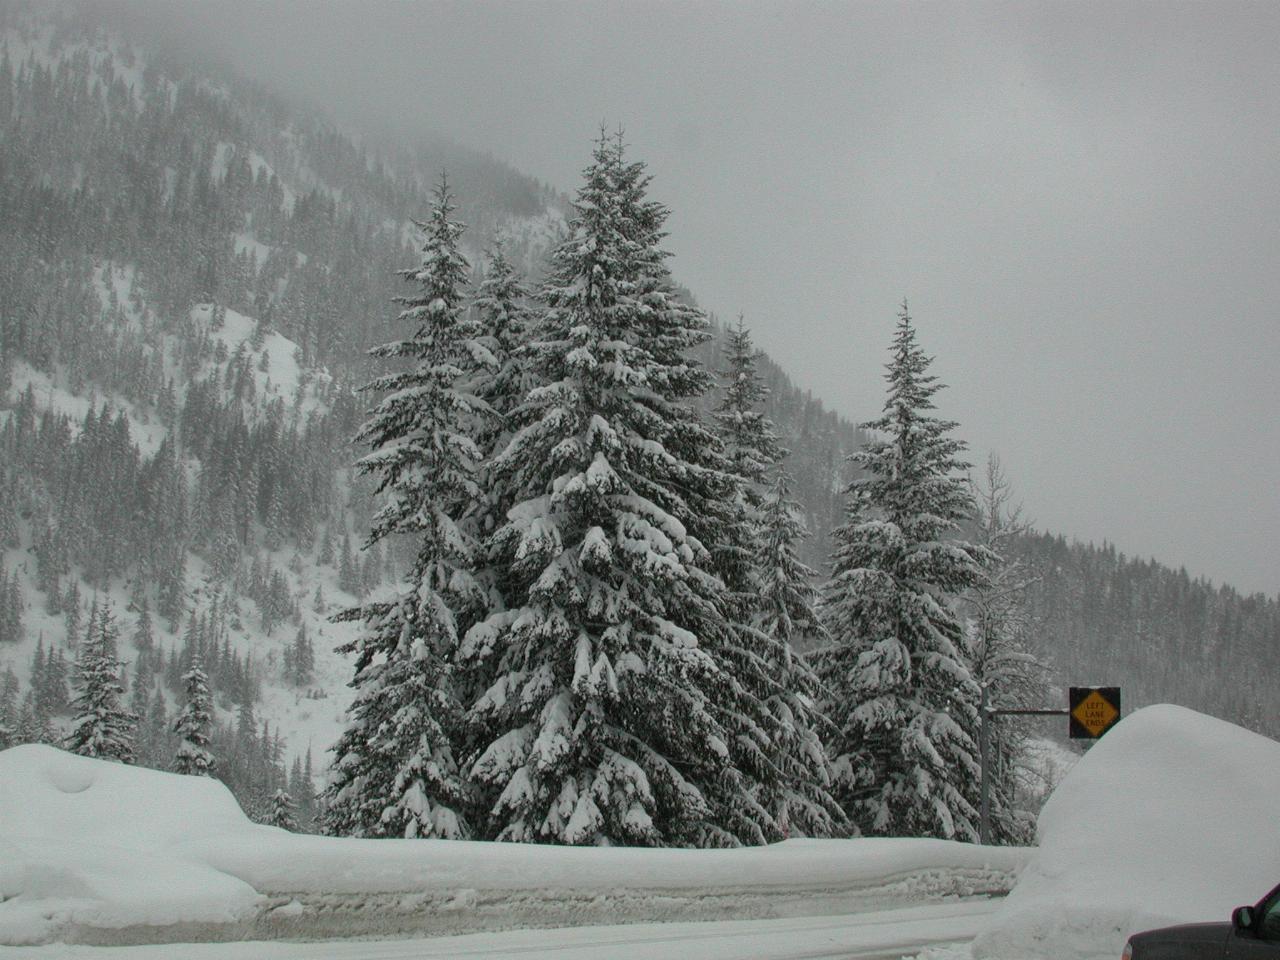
[95, 852]
[1170, 818]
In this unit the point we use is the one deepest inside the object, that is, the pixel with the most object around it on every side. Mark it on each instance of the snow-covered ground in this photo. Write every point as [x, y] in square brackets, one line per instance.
[1161, 822]
[282, 374]
[97, 852]
[1165, 820]
[877, 935]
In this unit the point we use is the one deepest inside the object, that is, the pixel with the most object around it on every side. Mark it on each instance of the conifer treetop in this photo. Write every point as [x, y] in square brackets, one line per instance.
[504, 325]
[422, 453]
[751, 444]
[917, 476]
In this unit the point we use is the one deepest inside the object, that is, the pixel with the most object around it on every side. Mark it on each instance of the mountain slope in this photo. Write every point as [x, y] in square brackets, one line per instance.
[192, 272]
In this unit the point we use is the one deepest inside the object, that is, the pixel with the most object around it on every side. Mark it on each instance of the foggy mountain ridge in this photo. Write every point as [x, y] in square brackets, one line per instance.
[191, 272]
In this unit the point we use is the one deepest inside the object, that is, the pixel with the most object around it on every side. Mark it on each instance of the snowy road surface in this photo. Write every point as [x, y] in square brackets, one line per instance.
[886, 934]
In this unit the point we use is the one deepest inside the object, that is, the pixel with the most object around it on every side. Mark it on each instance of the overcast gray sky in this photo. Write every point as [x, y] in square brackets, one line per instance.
[1079, 199]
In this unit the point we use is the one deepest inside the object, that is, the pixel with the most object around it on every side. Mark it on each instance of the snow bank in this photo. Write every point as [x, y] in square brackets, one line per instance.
[899, 932]
[95, 844]
[98, 852]
[1170, 818]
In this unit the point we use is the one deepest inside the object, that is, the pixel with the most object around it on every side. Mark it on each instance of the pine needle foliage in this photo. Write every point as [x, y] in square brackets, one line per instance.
[284, 811]
[194, 724]
[395, 773]
[750, 441]
[598, 719]
[769, 705]
[788, 597]
[901, 694]
[1000, 634]
[102, 728]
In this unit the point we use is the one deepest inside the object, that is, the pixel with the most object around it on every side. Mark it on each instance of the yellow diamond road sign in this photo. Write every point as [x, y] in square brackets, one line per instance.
[1095, 712]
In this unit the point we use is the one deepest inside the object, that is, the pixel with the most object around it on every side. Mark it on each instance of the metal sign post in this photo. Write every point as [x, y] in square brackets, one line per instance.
[1092, 711]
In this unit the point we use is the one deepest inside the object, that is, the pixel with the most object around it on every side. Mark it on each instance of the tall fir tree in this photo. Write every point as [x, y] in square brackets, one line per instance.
[37, 674]
[9, 709]
[301, 658]
[144, 636]
[157, 723]
[750, 448]
[348, 571]
[194, 725]
[298, 786]
[55, 682]
[33, 725]
[788, 597]
[770, 708]
[750, 441]
[504, 321]
[11, 607]
[901, 696]
[71, 616]
[395, 773]
[102, 727]
[1000, 626]
[505, 324]
[139, 703]
[598, 717]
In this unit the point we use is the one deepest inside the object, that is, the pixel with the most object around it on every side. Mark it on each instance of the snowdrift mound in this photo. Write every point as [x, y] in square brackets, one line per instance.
[1168, 819]
[102, 853]
[89, 843]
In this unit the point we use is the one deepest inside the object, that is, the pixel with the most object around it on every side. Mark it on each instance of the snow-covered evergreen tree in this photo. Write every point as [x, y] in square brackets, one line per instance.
[900, 693]
[159, 736]
[284, 812]
[751, 444]
[750, 447]
[395, 773]
[506, 322]
[194, 724]
[11, 607]
[300, 659]
[8, 709]
[788, 597]
[597, 720]
[999, 633]
[144, 637]
[102, 727]
[33, 725]
[139, 702]
[770, 704]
